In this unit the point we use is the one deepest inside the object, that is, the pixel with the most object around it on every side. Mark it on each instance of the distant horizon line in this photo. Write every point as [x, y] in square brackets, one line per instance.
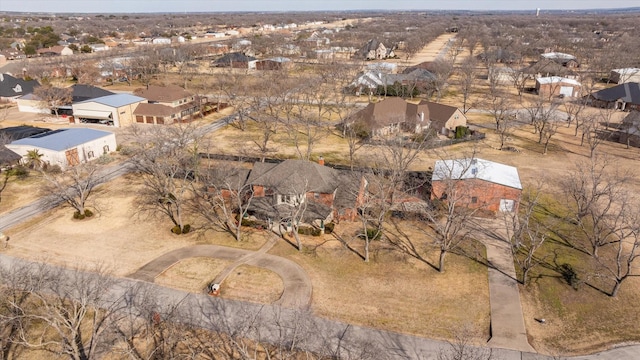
[324, 11]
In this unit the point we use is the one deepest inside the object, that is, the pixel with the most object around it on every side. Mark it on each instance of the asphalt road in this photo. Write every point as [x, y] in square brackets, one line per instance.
[278, 325]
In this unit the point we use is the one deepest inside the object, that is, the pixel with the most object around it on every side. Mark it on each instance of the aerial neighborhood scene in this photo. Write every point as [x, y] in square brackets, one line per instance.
[319, 180]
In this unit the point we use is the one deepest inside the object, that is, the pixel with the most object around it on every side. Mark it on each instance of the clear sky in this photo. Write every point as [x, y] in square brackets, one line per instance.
[142, 6]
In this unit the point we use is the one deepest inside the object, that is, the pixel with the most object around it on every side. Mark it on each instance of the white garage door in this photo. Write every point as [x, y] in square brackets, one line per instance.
[566, 91]
[507, 205]
[92, 114]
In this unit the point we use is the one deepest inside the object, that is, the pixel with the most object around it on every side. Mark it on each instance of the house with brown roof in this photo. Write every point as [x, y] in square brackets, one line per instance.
[167, 104]
[57, 50]
[394, 114]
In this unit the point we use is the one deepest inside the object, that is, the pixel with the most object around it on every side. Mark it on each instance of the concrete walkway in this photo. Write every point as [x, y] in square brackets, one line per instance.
[297, 285]
[507, 321]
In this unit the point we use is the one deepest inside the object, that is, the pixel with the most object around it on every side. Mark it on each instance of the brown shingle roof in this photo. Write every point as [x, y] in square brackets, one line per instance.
[155, 110]
[384, 113]
[162, 93]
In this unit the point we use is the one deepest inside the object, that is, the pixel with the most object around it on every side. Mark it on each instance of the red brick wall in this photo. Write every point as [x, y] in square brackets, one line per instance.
[326, 199]
[487, 194]
[258, 191]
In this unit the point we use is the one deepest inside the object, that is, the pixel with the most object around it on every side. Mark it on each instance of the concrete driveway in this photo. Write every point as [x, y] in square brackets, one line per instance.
[297, 285]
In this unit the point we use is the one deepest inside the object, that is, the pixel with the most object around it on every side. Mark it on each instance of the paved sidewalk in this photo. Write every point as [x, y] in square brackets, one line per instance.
[507, 321]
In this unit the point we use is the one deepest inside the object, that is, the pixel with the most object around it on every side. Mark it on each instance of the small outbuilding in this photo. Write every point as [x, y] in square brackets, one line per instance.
[477, 184]
[557, 86]
[67, 147]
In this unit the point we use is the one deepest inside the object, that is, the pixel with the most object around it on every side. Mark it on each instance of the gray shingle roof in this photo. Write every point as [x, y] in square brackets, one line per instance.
[294, 177]
[628, 92]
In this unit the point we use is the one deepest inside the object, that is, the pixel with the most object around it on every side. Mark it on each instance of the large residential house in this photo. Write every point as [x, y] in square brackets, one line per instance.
[630, 132]
[12, 88]
[167, 104]
[477, 184]
[378, 82]
[236, 60]
[57, 50]
[566, 60]
[392, 115]
[375, 49]
[621, 76]
[624, 97]
[279, 189]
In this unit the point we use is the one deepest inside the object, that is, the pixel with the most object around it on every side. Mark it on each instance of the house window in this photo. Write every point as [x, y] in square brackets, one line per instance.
[90, 155]
[160, 120]
[149, 119]
[139, 118]
[474, 200]
[474, 171]
[105, 149]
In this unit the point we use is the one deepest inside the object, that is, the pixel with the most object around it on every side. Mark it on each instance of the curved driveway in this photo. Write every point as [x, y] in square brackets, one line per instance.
[297, 286]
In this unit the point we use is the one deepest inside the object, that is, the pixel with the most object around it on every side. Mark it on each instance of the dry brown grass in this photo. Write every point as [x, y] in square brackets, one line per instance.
[19, 192]
[393, 292]
[250, 283]
[192, 275]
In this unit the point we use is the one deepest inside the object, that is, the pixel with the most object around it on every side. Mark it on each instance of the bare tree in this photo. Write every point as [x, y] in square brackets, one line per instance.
[442, 69]
[467, 72]
[222, 196]
[527, 233]
[593, 129]
[167, 159]
[74, 311]
[52, 98]
[451, 207]
[18, 282]
[543, 116]
[596, 197]
[74, 187]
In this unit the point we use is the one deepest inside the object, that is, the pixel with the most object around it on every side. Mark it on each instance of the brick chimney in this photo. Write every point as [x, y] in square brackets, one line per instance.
[321, 161]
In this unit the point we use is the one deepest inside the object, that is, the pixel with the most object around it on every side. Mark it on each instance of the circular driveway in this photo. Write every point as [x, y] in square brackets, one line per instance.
[297, 286]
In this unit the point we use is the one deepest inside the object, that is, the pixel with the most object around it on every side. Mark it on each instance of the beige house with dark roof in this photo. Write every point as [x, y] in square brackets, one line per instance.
[394, 114]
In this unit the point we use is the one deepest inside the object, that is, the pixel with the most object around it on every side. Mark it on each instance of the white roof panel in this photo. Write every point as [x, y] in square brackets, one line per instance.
[486, 170]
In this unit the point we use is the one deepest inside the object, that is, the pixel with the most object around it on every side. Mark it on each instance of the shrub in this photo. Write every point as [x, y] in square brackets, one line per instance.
[21, 172]
[372, 234]
[186, 229]
[309, 231]
[88, 213]
[328, 227]
[52, 169]
[176, 230]
[78, 216]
